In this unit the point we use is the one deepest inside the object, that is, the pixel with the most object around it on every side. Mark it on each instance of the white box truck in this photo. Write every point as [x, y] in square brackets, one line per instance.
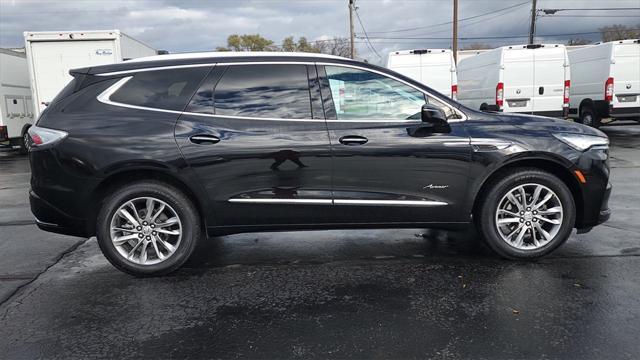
[51, 54]
[605, 83]
[432, 67]
[532, 79]
[16, 107]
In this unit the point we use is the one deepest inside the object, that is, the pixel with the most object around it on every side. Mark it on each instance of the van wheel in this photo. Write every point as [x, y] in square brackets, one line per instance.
[526, 214]
[148, 228]
[25, 143]
[589, 117]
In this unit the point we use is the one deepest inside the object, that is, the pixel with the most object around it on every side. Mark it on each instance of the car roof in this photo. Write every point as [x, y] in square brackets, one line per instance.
[210, 58]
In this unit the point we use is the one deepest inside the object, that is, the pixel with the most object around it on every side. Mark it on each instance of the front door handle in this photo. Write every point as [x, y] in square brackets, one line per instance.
[204, 139]
[353, 140]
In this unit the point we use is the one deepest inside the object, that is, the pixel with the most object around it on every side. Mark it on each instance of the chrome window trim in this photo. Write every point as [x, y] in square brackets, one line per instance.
[105, 96]
[282, 201]
[339, 202]
[389, 202]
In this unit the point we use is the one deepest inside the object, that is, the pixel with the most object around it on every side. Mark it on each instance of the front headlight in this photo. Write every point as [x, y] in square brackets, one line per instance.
[582, 142]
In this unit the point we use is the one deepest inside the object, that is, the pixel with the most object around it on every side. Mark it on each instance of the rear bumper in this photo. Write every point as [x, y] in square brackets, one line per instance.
[49, 218]
[624, 112]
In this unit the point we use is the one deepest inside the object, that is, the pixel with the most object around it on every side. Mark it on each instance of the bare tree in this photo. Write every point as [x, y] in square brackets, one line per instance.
[578, 41]
[338, 46]
[619, 32]
[476, 46]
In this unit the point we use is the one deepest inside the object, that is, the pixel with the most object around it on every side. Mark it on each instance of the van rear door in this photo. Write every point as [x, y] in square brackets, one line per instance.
[549, 76]
[436, 71]
[518, 79]
[626, 75]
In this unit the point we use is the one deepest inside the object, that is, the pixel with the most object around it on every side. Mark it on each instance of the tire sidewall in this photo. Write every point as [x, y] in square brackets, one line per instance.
[594, 122]
[181, 205]
[500, 189]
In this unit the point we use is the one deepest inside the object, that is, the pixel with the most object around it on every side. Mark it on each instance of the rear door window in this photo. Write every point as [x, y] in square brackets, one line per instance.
[279, 91]
[161, 89]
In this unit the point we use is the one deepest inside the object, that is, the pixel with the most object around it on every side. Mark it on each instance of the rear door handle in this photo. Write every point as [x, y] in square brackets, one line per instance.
[204, 139]
[353, 140]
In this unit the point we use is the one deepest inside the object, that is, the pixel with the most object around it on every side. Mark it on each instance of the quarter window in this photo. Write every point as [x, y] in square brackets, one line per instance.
[264, 91]
[161, 89]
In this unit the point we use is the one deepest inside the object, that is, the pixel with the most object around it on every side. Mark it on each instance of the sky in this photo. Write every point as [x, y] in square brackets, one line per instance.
[200, 25]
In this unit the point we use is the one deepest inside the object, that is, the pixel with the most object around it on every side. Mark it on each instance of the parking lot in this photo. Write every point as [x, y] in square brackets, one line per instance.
[327, 294]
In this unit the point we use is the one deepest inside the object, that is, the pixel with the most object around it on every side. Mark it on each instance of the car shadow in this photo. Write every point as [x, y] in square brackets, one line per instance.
[315, 247]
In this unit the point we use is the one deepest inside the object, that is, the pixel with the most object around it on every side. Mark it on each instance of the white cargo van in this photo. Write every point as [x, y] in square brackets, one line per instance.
[16, 107]
[432, 67]
[51, 54]
[532, 79]
[606, 82]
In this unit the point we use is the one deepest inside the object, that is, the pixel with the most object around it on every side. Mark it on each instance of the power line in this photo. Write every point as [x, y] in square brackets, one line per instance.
[493, 37]
[450, 22]
[365, 33]
[588, 16]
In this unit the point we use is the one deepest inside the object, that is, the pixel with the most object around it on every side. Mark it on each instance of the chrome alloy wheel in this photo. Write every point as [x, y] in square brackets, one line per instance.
[529, 216]
[146, 230]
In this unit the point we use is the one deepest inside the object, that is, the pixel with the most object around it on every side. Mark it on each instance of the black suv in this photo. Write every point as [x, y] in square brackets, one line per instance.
[153, 155]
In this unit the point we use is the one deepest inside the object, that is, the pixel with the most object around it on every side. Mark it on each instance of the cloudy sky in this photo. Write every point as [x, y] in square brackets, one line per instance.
[201, 25]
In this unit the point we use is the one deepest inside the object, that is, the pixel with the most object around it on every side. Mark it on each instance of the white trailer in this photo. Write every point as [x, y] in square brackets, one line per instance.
[532, 79]
[51, 54]
[432, 67]
[606, 82]
[16, 106]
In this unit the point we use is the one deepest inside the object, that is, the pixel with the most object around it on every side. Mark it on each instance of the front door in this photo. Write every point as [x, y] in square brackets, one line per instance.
[388, 167]
[258, 145]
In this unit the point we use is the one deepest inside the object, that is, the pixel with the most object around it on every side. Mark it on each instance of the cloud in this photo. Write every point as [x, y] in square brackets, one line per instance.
[194, 25]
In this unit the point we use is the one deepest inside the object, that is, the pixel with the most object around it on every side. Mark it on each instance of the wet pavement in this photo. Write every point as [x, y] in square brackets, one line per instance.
[410, 293]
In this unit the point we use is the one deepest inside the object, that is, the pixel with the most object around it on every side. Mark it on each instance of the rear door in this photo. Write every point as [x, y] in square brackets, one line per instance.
[436, 71]
[626, 75]
[518, 78]
[256, 138]
[549, 75]
[53, 60]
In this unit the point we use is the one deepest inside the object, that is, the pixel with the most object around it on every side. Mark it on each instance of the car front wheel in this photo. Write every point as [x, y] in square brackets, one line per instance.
[148, 228]
[526, 214]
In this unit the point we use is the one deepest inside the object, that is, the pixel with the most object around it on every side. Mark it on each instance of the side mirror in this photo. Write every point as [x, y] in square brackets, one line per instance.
[434, 121]
[433, 114]
[435, 118]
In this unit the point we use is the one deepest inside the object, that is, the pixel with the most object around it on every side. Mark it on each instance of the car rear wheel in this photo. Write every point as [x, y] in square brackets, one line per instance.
[148, 228]
[25, 143]
[589, 117]
[526, 214]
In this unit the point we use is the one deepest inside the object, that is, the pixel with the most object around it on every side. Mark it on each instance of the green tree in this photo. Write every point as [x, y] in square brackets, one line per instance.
[302, 45]
[247, 42]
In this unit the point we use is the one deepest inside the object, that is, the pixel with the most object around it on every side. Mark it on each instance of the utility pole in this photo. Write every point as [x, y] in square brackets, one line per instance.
[455, 31]
[352, 33]
[532, 29]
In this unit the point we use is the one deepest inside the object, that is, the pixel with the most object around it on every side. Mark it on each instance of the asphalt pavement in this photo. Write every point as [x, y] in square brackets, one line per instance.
[411, 293]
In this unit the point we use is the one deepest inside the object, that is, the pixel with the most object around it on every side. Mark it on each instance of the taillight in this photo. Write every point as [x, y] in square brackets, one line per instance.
[454, 92]
[608, 90]
[4, 134]
[500, 94]
[567, 86]
[42, 136]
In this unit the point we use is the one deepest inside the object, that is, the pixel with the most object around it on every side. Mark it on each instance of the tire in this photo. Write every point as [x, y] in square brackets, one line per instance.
[589, 117]
[24, 143]
[169, 204]
[497, 196]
